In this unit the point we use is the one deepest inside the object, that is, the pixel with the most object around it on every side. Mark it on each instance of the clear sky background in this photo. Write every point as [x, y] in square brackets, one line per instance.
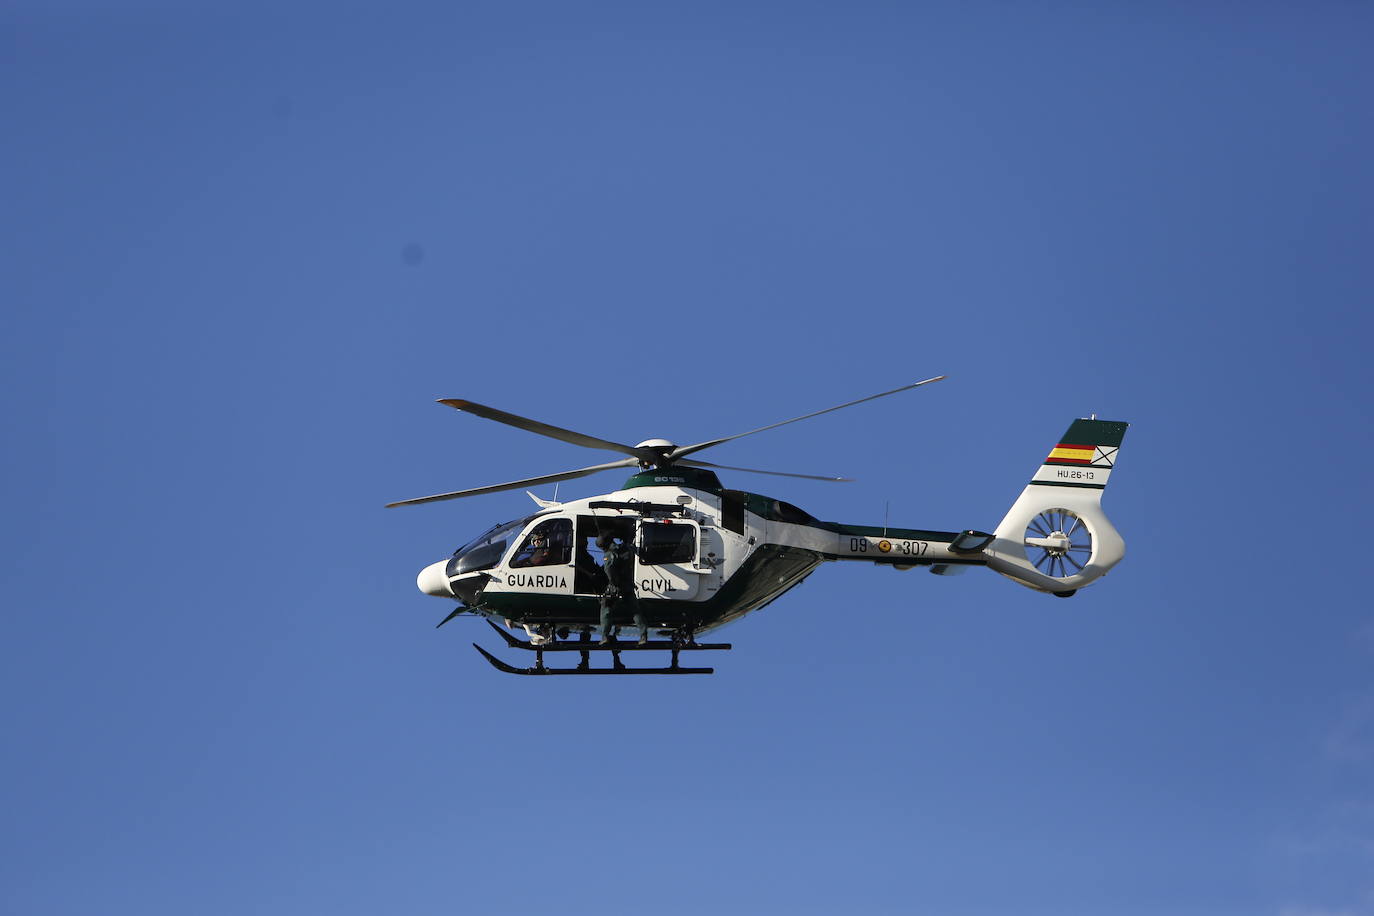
[244, 247]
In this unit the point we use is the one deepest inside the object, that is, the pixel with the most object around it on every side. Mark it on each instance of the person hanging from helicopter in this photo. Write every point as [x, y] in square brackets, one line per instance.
[619, 597]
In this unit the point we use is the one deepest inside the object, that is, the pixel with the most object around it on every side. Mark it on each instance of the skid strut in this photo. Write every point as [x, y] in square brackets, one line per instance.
[585, 647]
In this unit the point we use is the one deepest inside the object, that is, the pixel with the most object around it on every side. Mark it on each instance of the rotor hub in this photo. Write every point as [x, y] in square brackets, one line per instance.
[662, 448]
[1058, 543]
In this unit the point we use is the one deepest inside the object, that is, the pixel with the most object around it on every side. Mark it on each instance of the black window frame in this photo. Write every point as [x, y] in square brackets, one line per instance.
[549, 527]
[680, 550]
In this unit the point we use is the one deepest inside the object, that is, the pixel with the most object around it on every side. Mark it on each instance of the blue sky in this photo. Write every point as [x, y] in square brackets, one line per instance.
[245, 248]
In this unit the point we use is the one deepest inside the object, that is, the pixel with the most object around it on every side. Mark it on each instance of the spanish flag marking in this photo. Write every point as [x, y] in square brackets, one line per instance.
[1064, 453]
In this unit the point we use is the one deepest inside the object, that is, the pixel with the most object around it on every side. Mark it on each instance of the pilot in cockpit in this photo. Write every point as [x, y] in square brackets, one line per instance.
[539, 550]
[547, 545]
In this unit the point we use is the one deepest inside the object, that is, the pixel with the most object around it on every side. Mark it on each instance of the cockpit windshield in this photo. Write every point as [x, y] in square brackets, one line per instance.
[486, 550]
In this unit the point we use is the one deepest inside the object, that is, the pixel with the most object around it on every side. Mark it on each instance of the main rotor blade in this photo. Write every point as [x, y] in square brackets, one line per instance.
[544, 429]
[518, 484]
[689, 449]
[726, 467]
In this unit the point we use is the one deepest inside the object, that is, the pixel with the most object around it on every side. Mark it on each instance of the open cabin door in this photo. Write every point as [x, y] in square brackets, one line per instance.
[666, 559]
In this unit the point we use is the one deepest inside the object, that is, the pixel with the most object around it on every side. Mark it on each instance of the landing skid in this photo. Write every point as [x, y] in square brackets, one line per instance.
[585, 646]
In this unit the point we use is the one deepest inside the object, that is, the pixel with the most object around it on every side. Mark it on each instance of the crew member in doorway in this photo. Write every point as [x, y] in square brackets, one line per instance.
[619, 597]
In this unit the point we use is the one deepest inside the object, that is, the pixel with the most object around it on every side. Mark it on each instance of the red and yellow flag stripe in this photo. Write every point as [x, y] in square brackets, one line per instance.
[1065, 453]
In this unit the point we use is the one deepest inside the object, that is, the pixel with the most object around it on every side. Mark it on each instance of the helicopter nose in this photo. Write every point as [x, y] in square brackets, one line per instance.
[433, 580]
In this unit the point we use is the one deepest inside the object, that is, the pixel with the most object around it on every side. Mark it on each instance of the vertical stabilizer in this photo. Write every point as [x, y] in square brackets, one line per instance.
[1056, 538]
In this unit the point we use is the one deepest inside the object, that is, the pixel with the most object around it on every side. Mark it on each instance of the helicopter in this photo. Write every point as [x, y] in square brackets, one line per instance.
[694, 555]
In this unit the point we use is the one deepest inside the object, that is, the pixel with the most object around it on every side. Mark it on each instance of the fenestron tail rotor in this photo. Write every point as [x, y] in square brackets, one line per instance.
[658, 453]
[1058, 543]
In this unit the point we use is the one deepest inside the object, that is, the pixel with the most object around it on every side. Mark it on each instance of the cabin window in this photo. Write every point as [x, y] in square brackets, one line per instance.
[732, 511]
[667, 543]
[549, 544]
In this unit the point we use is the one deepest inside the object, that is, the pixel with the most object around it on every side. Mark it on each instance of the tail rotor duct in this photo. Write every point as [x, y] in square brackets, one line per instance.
[1058, 543]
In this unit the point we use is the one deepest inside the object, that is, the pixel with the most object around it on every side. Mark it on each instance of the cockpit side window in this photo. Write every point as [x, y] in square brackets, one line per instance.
[549, 544]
